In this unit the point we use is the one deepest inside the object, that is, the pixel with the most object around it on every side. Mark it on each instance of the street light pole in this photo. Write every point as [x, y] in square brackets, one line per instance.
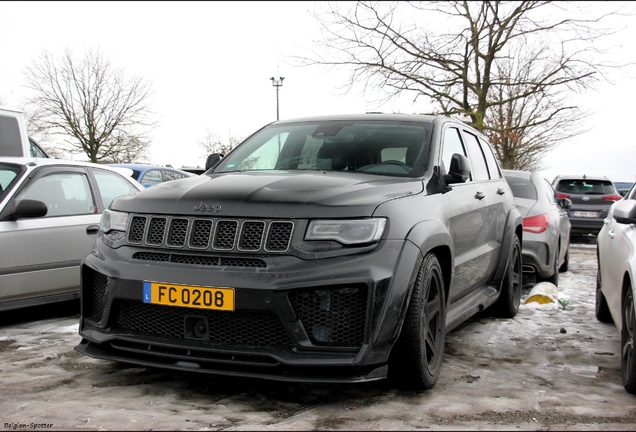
[277, 83]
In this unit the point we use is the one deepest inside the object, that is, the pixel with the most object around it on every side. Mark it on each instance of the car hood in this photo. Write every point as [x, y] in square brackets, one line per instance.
[272, 194]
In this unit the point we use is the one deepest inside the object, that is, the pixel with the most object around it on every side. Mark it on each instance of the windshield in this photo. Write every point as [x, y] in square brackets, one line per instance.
[380, 147]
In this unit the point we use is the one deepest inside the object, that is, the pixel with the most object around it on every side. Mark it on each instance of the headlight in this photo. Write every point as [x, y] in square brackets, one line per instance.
[347, 231]
[113, 221]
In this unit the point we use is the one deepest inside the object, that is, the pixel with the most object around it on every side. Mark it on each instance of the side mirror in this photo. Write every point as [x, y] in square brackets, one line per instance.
[212, 160]
[28, 209]
[459, 170]
[625, 211]
[565, 203]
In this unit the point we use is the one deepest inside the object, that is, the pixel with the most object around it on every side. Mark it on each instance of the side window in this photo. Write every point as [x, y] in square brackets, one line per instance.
[36, 150]
[151, 178]
[10, 141]
[477, 161]
[493, 168]
[64, 194]
[172, 175]
[552, 196]
[452, 144]
[111, 186]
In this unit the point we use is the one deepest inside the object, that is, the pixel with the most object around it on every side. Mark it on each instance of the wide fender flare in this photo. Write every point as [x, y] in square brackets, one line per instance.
[423, 237]
[514, 225]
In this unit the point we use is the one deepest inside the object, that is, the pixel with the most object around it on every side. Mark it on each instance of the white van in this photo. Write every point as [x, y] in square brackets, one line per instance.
[14, 138]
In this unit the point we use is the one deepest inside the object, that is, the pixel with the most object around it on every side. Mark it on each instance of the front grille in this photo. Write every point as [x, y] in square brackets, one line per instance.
[210, 234]
[202, 260]
[248, 329]
[332, 317]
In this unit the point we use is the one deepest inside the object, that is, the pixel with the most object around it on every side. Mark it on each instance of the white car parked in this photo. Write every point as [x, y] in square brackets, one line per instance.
[615, 281]
[49, 218]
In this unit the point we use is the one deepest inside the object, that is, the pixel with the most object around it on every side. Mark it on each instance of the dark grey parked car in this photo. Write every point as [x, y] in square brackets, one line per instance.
[546, 226]
[591, 199]
[326, 249]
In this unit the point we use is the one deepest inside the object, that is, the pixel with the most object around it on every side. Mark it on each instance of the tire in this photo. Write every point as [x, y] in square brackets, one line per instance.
[566, 261]
[554, 279]
[507, 305]
[601, 309]
[628, 342]
[416, 358]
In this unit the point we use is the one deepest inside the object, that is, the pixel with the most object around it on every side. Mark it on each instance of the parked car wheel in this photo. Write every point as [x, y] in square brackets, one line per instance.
[507, 305]
[602, 310]
[628, 335]
[416, 360]
[566, 261]
[554, 279]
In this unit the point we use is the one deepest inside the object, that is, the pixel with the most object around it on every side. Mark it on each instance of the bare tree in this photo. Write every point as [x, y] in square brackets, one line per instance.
[91, 104]
[212, 143]
[505, 67]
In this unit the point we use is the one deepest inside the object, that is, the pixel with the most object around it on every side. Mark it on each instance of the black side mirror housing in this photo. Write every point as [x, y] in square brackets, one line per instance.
[565, 203]
[28, 209]
[459, 171]
[212, 160]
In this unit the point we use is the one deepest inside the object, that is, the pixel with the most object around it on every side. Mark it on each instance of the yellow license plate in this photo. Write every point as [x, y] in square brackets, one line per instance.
[189, 296]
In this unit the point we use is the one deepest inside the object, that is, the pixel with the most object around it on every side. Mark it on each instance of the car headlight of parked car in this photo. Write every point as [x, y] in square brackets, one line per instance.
[113, 221]
[347, 232]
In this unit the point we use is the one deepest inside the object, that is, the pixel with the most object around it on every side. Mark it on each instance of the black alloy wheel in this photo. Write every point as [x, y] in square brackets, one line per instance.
[507, 305]
[628, 359]
[416, 359]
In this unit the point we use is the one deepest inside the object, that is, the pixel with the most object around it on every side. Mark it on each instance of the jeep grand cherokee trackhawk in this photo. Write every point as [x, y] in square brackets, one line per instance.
[325, 249]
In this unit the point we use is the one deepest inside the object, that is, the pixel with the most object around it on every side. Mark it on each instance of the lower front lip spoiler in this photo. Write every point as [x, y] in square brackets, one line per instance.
[315, 374]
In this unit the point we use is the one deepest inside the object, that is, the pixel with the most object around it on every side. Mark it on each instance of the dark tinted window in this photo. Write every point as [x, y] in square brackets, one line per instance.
[452, 144]
[477, 161]
[551, 194]
[493, 168]
[522, 188]
[590, 187]
[10, 142]
[172, 175]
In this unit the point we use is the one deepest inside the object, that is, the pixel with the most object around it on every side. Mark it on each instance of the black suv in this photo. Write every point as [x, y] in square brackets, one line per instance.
[325, 249]
[591, 199]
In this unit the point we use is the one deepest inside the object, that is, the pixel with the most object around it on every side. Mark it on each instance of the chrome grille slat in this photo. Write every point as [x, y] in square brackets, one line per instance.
[210, 234]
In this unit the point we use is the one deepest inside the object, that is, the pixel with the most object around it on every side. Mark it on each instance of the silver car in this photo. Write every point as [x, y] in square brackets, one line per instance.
[615, 281]
[546, 226]
[49, 218]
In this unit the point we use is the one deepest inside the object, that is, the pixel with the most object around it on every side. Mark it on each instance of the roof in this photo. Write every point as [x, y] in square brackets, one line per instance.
[146, 167]
[579, 177]
[369, 116]
[30, 161]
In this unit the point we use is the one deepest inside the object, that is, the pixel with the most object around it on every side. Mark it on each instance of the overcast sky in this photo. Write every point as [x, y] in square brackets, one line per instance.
[210, 63]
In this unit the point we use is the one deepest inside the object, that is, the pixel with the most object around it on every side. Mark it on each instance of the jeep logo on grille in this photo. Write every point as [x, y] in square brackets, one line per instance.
[211, 208]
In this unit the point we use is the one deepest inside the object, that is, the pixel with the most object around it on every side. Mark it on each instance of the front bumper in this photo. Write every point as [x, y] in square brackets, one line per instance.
[323, 320]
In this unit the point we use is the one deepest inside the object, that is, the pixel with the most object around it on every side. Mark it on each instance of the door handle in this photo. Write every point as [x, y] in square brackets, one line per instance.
[610, 233]
[501, 191]
[480, 195]
[92, 229]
